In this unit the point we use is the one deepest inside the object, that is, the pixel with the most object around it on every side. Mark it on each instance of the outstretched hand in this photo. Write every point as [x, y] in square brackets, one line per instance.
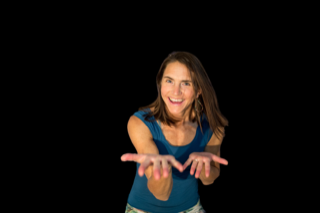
[166, 161]
[198, 159]
[145, 160]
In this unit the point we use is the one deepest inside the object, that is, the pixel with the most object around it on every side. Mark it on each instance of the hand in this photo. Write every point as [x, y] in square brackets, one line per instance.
[200, 158]
[145, 160]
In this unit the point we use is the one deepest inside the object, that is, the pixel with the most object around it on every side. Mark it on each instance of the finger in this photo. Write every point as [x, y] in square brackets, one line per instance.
[156, 168]
[175, 163]
[130, 157]
[193, 167]
[207, 168]
[125, 156]
[144, 165]
[165, 168]
[199, 168]
[187, 163]
[219, 160]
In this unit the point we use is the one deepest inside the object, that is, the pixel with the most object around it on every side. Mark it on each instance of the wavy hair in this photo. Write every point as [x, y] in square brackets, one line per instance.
[207, 98]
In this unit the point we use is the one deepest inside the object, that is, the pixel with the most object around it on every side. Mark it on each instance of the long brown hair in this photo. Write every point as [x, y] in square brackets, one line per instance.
[207, 98]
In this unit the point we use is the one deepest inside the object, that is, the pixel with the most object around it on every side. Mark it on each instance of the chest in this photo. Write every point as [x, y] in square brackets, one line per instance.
[181, 136]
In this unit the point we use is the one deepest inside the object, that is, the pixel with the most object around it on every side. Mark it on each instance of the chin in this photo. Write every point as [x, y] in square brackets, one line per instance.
[176, 112]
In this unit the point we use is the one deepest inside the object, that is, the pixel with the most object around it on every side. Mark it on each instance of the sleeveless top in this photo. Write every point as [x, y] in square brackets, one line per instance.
[184, 194]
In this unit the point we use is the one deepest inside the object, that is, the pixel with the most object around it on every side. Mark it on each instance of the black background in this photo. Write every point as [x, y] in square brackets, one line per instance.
[108, 92]
[90, 69]
[103, 81]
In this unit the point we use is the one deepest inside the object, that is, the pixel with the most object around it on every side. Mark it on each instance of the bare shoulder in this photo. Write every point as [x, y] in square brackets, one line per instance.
[214, 140]
[213, 146]
[137, 126]
[141, 136]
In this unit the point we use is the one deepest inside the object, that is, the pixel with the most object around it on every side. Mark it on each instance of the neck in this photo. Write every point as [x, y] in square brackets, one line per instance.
[181, 120]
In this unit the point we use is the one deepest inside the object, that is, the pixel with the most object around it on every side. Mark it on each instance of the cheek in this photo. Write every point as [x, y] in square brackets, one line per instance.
[164, 90]
[190, 94]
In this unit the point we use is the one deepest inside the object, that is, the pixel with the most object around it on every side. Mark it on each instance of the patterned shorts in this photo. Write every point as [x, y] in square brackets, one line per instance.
[195, 209]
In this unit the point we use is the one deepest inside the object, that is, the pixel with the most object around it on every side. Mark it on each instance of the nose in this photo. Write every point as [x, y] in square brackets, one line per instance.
[177, 90]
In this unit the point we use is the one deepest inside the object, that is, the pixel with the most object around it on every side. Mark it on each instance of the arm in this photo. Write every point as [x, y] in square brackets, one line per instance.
[213, 147]
[142, 140]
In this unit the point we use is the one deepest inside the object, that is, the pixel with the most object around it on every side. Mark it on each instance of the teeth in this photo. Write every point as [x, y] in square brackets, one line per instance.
[175, 100]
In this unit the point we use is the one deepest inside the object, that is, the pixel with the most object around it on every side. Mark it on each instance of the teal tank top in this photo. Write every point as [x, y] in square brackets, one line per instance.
[184, 194]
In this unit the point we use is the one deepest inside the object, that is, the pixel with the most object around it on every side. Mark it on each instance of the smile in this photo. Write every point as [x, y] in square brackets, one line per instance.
[176, 101]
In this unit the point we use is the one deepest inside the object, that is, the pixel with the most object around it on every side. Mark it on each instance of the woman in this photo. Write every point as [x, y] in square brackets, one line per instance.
[177, 139]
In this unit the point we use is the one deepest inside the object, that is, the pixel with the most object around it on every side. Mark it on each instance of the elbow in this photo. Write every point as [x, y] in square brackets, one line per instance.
[207, 183]
[160, 191]
[162, 198]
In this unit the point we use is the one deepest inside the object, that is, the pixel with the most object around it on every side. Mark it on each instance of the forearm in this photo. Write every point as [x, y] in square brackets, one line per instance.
[161, 188]
[214, 174]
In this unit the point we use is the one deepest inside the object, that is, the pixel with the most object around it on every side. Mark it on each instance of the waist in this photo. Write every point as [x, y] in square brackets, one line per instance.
[183, 196]
[194, 209]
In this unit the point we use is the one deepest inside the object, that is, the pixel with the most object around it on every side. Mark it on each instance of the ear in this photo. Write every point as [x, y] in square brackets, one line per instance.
[199, 93]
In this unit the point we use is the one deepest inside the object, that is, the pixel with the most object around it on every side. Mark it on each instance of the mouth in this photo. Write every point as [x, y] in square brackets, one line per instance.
[175, 101]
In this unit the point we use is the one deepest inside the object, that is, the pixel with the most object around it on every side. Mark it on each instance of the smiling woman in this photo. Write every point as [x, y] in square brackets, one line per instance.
[176, 89]
[177, 138]
[187, 68]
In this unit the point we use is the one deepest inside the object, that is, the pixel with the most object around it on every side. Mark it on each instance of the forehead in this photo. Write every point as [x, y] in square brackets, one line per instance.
[177, 70]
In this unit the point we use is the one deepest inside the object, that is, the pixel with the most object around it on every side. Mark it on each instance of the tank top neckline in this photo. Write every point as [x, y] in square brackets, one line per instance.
[181, 145]
[195, 137]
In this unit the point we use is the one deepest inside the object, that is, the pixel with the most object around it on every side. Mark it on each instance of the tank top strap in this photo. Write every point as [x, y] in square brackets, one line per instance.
[151, 123]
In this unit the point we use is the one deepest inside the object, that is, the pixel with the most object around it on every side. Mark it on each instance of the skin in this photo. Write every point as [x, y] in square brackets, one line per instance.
[176, 83]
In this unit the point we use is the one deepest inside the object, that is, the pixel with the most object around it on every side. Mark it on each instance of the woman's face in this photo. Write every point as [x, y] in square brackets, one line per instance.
[176, 88]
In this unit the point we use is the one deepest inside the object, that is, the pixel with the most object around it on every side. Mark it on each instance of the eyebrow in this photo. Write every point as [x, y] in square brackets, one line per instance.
[189, 81]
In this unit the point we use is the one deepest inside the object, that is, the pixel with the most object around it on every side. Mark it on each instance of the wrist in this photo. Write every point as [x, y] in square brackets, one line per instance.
[213, 175]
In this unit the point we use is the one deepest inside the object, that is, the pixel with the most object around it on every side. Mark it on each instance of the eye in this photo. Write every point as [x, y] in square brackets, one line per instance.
[186, 83]
[168, 81]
